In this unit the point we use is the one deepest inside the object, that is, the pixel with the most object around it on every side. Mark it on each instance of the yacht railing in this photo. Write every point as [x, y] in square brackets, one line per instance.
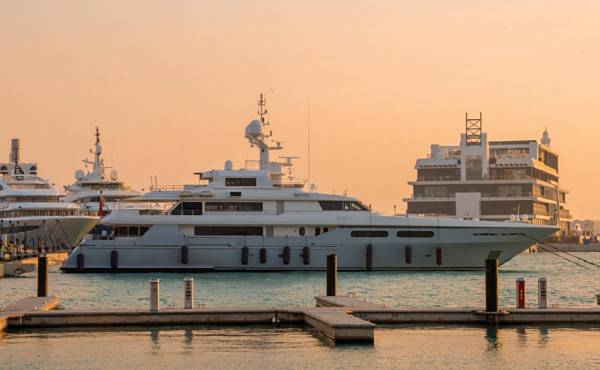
[167, 188]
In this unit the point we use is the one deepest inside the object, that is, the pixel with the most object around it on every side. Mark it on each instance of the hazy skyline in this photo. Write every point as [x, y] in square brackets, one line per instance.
[172, 85]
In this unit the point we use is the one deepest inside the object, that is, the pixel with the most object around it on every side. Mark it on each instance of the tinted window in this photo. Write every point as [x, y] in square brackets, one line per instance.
[415, 234]
[369, 234]
[228, 230]
[233, 207]
[188, 208]
[334, 205]
[240, 181]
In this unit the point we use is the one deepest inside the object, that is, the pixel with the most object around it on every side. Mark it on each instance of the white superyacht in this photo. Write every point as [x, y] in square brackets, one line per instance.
[256, 219]
[31, 212]
[96, 191]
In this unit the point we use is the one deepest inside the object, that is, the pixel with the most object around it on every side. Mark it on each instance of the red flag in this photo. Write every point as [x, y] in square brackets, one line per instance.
[101, 205]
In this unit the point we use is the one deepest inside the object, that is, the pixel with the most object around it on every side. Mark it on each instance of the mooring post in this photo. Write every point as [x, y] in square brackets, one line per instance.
[331, 275]
[42, 277]
[154, 294]
[189, 292]
[491, 282]
[542, 293]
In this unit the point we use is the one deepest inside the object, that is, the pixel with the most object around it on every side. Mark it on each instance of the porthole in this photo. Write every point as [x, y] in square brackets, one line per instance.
[317, 231]
[302, 231]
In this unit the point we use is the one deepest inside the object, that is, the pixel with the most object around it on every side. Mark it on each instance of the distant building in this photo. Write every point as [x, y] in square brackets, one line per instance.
[491, 180]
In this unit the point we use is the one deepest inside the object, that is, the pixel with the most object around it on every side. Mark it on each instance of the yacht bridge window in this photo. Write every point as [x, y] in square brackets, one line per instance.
[240, 181]
[130, 230]
[228, 231]
[335, 205]
[233, 207]
[188, 209]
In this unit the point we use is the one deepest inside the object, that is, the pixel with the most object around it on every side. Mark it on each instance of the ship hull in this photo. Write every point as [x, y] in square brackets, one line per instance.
[453, 249]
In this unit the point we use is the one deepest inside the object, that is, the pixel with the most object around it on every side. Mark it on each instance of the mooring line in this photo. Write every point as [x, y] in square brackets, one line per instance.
[559, 251]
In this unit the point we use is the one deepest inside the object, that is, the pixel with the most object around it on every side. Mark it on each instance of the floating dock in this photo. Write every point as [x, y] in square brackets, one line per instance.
[339, 319]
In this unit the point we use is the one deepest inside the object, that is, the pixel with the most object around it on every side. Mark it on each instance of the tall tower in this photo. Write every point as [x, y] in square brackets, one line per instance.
[473, 128]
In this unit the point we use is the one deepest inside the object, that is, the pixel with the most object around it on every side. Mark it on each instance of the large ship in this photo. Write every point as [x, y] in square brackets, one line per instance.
[32, 214]
[259, 219]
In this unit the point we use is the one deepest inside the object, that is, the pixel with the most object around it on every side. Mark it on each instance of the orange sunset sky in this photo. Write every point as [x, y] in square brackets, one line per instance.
[172, 85]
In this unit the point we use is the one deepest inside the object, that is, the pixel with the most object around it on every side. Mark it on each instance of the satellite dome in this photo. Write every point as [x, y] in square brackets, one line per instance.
[254, 129]
[114, 175]
[228, 165]
[79, 174]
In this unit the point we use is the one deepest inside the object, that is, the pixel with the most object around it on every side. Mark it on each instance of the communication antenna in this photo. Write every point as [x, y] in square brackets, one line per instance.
[262, 110]
[308, 143]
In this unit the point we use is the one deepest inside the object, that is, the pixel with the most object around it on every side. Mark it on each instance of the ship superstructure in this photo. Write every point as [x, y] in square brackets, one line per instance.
[95, 190]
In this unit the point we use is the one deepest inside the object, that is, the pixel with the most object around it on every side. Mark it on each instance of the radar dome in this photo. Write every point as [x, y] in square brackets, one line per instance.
[79, 174]
[254, 129]
[114, 175]
[228, 165]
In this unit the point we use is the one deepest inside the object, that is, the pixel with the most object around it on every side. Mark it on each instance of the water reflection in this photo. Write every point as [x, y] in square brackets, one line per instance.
[154, 334]
[493, 342]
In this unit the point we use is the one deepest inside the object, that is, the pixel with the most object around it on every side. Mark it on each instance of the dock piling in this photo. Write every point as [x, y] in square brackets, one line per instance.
[542, 293]
[154, 294]
[189, 292]
[331, 275]
[42, 276]
[491, 282]
[520, 293]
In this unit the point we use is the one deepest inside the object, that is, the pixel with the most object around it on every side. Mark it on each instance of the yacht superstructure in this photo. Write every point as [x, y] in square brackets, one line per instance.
[96, 191]
[31, 210]
[253, 219]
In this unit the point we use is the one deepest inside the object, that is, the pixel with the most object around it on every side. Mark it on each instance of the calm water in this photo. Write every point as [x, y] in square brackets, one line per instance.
[401, 347]
[569, 286]
[294, 348]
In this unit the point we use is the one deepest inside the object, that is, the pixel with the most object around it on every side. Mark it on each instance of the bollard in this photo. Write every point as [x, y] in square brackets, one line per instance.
[42, 278]
[491, 284]
[520, 293]
[154, 294]
[331, 275]
[542, 293]
[188, 283]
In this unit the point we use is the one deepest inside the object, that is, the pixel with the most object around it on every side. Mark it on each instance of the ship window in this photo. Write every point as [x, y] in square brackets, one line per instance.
[302, 231]
[325, 230]
[235, 193]
[317, 231]
[228, 231]
[415, 234]
[335, 205]
[130, 230]
[240, 181]
[369, 234]
[188, 208]
[233, 207]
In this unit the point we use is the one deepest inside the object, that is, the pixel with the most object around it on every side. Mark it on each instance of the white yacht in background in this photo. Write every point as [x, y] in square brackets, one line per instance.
[254, 219]
[31, 211]
[95, 191]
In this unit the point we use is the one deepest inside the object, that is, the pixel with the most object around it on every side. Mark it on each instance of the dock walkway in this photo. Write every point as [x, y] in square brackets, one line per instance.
[337, 319]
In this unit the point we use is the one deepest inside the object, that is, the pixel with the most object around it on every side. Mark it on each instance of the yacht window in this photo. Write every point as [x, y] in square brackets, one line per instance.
[130, 230]
[233, 207]
[335, 205]
[188, 208]
[317, 231]
[302, 231]
[325, 230]
[228, 231]
[240, 181]
[369, 234]
[415, 234]
[235, 193]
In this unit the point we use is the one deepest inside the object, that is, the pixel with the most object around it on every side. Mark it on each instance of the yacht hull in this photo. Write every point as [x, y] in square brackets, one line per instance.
[453, 249]
[53, 232]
